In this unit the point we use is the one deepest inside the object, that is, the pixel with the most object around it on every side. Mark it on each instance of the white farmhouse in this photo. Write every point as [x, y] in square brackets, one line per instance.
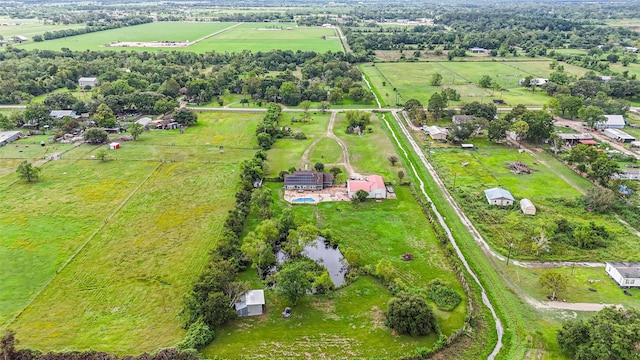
[251, 303]
[497, 196]
[624, 273]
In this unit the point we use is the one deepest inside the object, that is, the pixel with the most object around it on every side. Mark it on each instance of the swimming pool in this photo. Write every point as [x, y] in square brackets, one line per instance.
[303, 200]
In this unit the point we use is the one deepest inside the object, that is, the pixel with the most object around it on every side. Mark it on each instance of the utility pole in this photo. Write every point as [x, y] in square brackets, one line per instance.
[509, 254]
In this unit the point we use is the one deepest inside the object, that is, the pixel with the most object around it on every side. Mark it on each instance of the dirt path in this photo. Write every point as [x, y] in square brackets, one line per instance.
[345, 150]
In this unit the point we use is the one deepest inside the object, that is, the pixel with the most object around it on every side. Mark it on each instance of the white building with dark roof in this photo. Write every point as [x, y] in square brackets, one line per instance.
[625, 274]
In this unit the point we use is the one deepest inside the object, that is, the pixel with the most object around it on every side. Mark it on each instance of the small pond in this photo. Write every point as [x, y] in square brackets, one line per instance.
[323, 253]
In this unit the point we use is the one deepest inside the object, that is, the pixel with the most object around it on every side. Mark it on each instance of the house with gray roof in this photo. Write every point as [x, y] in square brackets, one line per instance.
[625, 274]
[498, 196]
[59, 114]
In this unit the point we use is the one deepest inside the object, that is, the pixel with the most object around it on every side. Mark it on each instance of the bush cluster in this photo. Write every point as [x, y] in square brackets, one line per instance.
[442, 295]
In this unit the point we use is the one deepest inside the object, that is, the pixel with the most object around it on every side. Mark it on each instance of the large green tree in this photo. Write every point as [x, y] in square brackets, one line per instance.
[104, 116]
[610, 334]
[592, 115]
[553, 281]
[410, 314]
[292, 283]
[28, 172]
[436, 105]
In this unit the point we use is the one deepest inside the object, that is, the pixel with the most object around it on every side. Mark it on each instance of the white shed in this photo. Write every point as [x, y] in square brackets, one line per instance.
[251, 303]
[114, 146]
[527, 207]
[88, 81]
[497, 196]
[625, 274]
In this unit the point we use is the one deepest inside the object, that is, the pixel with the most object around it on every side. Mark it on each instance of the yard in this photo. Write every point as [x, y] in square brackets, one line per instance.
[115, 245]
[554, 190]
[349, 321]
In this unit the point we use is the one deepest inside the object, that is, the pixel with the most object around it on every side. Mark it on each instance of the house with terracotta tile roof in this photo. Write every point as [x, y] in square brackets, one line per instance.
[373, 185]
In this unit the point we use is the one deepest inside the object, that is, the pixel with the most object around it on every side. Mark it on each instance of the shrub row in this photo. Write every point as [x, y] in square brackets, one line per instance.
[209, 303]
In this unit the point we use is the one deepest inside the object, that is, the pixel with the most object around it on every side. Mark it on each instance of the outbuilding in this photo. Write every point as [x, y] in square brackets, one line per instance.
[619, 135]
[527, 207]
[611, 122]
[498, 196]
[144, 121]
[114, 146]
[625, 274]
[436, 132]
[251, 303]
[373, 185]
[9, 136]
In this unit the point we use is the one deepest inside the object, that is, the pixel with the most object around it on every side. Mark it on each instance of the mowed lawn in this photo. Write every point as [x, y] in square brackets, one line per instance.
[552, 189]
[350, 321]
[157, 31]
[269, 36]
[123, 292]
[412, 80]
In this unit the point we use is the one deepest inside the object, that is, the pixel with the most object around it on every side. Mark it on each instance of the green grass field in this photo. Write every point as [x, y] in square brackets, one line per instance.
[412, 80]
[157, 31]
[250, 36]
[123, 291]
[349, 321]
[269, 36]
[30, 27]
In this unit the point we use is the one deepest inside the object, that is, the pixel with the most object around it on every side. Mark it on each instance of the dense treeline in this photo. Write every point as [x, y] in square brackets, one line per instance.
[210, 302]
[26, 74]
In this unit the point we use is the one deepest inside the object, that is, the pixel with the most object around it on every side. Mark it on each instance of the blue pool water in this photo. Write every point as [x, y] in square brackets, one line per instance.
[303, 200]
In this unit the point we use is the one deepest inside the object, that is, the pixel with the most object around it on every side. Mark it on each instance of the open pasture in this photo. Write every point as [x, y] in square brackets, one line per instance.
[147, 226]
[269, 36]
[556, 192]
[30, 27]
[157, 31]
[235, 37]
[462, 76]
[349, 321]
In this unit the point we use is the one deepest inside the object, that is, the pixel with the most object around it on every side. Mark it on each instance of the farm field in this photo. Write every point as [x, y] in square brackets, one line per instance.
[30, 27]
[463, 77]
[147, 234]
[555, 191]
[157, 31]
[269, 36]
[248, 36]
[350, 320]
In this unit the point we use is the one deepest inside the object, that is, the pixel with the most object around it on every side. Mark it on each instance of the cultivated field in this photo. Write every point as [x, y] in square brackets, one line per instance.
[412, 80]
[157, 31]
[147, 226]
[248, 36]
